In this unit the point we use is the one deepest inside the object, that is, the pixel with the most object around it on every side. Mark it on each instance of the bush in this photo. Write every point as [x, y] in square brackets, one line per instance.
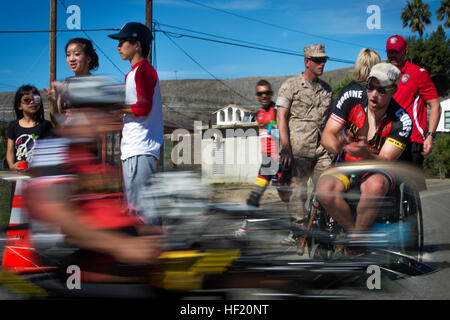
[438, 162]
[433, 54]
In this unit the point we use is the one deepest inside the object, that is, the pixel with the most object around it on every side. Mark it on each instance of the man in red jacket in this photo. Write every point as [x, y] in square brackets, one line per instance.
[415, 92]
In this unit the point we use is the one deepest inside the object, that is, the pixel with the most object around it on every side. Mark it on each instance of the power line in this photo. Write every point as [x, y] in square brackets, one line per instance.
[64, 5]
[180, 113]
[255, 46]
[278, 26]
[25, 74]
[244, 44]
[198, 64]
[48, 31]
[221, 37]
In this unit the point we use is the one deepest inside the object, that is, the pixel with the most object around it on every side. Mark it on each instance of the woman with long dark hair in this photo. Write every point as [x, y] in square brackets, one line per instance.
[81, 58]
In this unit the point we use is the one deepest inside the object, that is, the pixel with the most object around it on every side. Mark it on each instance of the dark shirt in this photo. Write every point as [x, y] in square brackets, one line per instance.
[25, 138]
[352, 94]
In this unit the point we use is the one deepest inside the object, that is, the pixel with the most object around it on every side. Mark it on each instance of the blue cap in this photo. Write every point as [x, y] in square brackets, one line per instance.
[135, 30]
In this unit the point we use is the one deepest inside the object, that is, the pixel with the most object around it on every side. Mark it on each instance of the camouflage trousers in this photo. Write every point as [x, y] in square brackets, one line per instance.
[302, 170]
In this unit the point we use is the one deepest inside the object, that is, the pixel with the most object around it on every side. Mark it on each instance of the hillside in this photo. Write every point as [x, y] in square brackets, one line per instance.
[193, 99]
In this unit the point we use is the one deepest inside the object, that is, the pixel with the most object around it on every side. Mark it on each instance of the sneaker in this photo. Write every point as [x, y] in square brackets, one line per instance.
[240, 233]
[289, 240]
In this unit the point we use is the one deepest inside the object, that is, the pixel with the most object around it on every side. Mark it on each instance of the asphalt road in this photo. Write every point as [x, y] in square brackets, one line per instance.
[434, 285]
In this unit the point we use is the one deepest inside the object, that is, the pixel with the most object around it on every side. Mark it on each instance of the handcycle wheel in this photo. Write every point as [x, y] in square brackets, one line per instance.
[411, 220]
[318, 250]
[412, 214]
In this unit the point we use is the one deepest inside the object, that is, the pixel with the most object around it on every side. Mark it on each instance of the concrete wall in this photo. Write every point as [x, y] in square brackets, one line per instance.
[230, 115]
[231, 159]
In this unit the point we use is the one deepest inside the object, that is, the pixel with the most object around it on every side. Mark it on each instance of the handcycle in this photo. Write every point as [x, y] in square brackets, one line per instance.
[199, 258]
[397, 233]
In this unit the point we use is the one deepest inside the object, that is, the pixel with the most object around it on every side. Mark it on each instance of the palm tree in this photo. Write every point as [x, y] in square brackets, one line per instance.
[444, 11]
[416, 14]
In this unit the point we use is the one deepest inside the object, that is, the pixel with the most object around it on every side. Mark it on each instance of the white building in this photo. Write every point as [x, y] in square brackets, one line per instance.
[230, 153]
[232, 114]
[444, 122]
[231, 147]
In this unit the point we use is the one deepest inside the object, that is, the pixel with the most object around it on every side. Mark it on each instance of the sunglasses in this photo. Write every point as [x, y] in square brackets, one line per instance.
[27, 100]
[267, 93]
[381, 90]
[318, 60]
[35, 100]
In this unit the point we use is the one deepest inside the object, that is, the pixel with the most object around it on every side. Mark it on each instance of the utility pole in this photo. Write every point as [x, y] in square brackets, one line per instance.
[148, 22]
[52, 71]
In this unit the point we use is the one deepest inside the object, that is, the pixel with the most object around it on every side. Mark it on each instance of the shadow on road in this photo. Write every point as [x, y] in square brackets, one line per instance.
[436, 247]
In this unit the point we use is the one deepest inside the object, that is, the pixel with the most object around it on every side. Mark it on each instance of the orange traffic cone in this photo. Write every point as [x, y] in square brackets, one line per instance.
[19, 256]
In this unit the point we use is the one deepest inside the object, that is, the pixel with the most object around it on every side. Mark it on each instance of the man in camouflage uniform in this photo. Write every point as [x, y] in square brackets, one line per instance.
[304, 105]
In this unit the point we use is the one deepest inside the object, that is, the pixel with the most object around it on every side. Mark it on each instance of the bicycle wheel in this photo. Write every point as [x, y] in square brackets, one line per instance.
[410, 248]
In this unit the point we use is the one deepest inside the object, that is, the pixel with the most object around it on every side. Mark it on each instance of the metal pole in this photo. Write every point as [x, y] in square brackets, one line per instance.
[52, 71]
[148, 22]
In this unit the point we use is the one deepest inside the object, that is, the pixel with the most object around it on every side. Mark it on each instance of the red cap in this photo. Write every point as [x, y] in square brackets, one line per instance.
[397, 43]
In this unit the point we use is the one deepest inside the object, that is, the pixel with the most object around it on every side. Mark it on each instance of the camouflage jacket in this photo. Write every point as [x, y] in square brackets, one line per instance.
[310, 105]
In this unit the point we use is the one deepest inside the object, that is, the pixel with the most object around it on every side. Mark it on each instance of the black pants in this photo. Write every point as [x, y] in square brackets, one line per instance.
[413, 154]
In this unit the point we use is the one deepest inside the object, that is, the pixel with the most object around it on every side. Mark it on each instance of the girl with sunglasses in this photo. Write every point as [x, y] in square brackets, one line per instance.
[29, 126]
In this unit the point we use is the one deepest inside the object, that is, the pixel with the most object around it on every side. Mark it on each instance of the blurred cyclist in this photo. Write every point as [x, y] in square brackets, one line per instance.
[77, 219]
[375, 130]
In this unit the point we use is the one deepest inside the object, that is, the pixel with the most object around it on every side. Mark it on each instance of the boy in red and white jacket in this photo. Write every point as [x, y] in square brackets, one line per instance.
[143, 126]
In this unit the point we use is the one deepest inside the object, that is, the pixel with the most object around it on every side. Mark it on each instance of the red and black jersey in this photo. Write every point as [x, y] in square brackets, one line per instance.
[353, 94]
[395, 127]
[95, 185]
[264, 117]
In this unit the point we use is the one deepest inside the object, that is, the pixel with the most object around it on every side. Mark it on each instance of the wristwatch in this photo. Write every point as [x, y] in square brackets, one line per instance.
[433, 134]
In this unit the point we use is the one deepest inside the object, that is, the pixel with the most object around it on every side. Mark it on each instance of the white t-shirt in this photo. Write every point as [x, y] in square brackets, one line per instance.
[143, 132]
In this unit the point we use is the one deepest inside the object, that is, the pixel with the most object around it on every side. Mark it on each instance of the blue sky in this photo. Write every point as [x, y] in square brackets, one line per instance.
[340, 25]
